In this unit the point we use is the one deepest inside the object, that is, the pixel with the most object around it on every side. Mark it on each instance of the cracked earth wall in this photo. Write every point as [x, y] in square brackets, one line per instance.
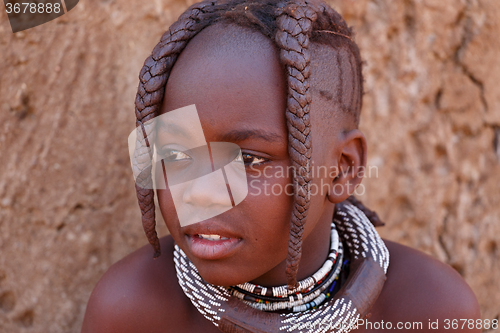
[67, 203]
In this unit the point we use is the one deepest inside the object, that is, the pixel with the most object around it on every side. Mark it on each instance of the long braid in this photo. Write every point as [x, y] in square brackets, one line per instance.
[153, 79]
[294, 25]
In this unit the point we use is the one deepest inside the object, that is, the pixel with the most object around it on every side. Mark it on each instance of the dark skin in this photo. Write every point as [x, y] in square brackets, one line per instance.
[238, 89]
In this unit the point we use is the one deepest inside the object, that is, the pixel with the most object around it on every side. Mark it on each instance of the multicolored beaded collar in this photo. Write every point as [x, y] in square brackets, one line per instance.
[309, 293]
[369, 260]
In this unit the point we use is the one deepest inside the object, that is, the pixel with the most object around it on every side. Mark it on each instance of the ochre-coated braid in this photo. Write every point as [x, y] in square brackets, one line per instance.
[153, 78]
[294, 26]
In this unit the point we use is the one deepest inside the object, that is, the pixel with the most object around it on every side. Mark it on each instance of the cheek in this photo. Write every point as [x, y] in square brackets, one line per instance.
[167, 209]
[270, 201]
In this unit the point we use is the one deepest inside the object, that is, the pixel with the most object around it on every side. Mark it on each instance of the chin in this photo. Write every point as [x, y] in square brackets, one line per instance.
[217, 277]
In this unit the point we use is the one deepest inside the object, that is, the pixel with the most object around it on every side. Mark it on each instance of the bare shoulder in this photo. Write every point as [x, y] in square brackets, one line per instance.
[137, 294]
[422, 289]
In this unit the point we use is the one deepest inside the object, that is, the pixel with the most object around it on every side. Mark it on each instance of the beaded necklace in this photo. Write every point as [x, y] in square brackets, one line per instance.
[304, 285]
[310, 292]
[369, 260]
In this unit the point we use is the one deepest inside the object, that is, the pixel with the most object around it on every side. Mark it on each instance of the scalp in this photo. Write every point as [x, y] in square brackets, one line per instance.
[337, 88]
[226, 36]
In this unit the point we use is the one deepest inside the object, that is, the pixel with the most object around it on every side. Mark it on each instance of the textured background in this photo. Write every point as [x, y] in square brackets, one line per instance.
[67, 202]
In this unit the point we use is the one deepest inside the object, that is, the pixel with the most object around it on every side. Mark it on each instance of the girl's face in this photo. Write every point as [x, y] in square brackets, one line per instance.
[234, 78]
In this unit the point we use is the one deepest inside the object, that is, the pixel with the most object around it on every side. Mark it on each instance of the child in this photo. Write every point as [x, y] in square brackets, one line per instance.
[283, 81]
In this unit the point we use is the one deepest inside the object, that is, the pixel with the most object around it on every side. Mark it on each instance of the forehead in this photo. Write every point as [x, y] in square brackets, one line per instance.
[233, 76]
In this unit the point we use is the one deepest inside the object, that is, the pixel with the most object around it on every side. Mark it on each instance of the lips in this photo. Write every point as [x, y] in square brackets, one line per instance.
[210, 241]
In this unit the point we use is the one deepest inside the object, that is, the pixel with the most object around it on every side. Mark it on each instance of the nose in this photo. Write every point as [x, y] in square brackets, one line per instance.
[209, 191]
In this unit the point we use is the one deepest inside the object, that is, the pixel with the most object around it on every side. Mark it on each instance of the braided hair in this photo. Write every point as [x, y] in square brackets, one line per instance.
[291, 25]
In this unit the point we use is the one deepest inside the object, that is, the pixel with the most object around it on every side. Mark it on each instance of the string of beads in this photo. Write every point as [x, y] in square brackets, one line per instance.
[304, 285]
[310, 292]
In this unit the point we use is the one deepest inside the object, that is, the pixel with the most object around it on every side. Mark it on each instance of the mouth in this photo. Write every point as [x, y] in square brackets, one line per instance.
[211, 245]
[212, 237]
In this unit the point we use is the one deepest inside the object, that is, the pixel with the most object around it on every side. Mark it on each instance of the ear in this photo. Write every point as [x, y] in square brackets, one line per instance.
[351, 164]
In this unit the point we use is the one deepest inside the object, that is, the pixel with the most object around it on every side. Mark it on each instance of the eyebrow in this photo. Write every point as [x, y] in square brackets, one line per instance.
[241, 135]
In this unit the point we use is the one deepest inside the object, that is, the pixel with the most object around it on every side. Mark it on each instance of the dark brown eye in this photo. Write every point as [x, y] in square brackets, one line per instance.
[249, 159]
[172, 155]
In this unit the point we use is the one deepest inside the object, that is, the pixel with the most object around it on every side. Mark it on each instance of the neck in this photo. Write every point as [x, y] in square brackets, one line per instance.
[315, 248]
